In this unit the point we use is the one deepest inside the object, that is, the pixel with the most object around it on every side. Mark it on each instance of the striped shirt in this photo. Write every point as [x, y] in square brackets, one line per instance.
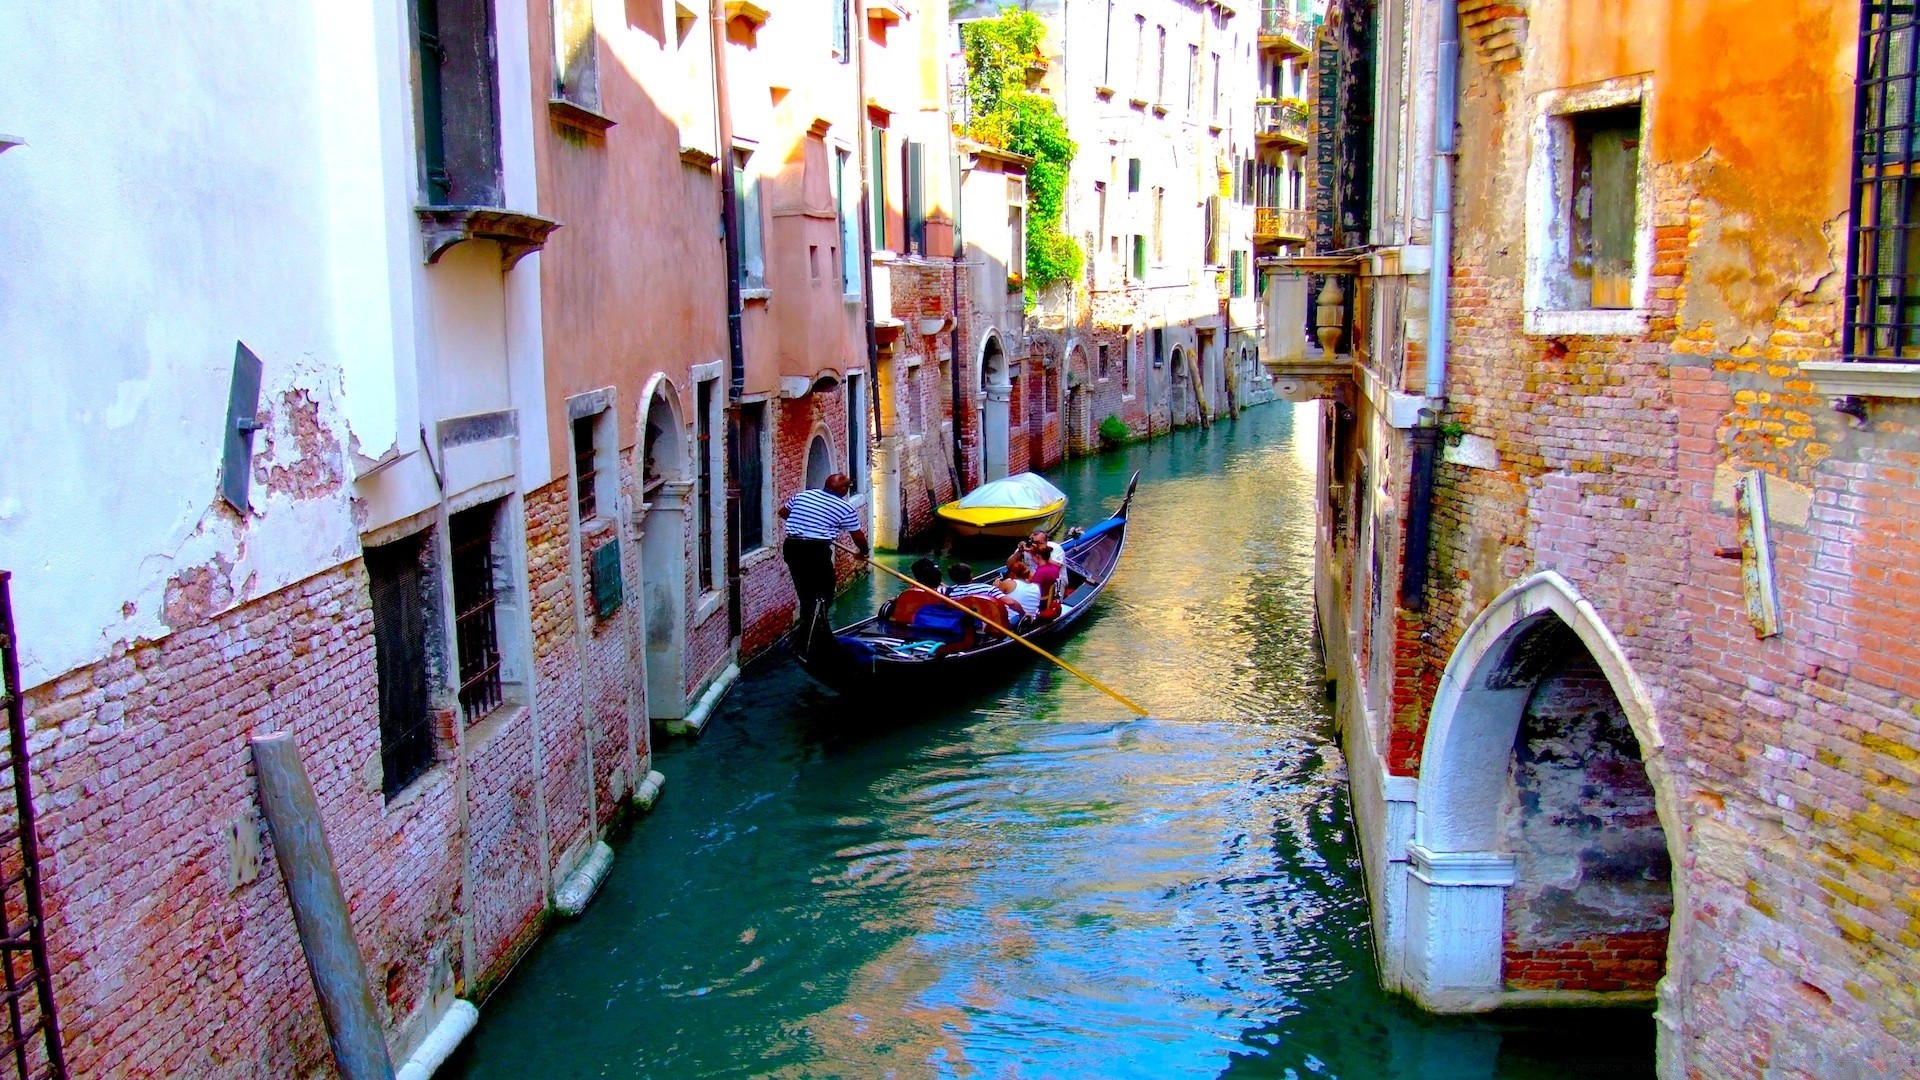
[815, 514]
[975, 588]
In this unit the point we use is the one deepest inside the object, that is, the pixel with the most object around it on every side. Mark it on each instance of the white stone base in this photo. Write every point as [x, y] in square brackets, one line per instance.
[571, 898]
[702, 711]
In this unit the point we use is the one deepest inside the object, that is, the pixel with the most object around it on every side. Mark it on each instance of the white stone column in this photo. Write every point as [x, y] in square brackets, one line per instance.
[1456, 909]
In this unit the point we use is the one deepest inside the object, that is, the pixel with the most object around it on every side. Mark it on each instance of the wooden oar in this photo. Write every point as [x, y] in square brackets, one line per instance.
[952, 603]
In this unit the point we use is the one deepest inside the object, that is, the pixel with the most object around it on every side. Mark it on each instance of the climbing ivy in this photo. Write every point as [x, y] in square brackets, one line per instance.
[1002, 112]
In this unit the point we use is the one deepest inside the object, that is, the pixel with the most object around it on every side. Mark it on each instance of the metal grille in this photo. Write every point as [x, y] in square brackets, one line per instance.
[395, 578]
[1883, 288]
[583, 467]
[32, 1041]
[474, 631]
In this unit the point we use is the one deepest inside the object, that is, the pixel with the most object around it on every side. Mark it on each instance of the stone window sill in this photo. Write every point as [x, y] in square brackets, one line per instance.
[1138, 103]
[1159, 110]
[518, 234]
[751, 559]
[575, 115]
[1104, 93]
[1860, 378]
[698, 158]
[1596, 322]
[749, 295]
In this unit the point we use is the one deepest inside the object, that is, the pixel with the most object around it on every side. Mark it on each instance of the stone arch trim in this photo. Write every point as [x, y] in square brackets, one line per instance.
[1452, 754]
[659, 385]
[989, 342]
[1455, 898]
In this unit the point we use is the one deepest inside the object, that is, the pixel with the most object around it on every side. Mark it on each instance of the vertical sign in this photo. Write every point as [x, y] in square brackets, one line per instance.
[1756, 554]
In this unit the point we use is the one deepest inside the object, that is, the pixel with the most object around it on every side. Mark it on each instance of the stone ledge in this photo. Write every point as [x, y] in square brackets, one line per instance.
[575, 115]
[519, 234]
[1861, 378]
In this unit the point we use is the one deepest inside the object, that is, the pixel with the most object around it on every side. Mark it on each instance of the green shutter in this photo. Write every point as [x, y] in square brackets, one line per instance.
[607, 589]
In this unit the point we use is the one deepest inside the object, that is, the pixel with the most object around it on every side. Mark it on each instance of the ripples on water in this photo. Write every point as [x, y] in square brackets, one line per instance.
[1026, 881]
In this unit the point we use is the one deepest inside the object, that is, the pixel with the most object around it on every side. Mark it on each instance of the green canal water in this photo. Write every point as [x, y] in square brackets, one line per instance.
[1018, 879]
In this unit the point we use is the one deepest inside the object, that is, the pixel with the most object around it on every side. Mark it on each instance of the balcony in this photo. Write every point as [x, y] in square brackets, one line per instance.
[1283, 123]
[1330, 296]
[1272, 224]
[1284, 31]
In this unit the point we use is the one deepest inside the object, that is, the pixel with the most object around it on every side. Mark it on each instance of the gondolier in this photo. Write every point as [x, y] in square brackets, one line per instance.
[815, 518]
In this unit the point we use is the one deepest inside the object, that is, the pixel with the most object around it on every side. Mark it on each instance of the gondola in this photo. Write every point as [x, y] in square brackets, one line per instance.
[878, 655]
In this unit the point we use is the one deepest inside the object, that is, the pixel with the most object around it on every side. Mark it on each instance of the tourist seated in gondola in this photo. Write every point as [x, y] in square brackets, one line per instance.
[1021, 590]
[904, 610]
[1049, 562]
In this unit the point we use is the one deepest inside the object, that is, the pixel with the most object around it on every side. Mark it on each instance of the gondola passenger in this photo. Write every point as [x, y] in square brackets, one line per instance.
[1021, 590]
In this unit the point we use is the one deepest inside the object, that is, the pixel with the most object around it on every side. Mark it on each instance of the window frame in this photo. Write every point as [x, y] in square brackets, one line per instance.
[480, 683]
[760, 494]
[1548, 310]
[753, 225]
[1876, 170]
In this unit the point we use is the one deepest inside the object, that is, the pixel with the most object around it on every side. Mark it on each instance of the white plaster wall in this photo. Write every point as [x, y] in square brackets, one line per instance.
[186, 193]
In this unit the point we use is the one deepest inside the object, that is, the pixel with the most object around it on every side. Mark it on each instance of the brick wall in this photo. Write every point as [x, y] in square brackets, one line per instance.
[558, 670]
[142, 767]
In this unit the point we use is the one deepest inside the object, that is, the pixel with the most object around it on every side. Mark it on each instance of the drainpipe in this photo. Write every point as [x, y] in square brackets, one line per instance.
[1446, 106]
[736, 345]
[956, 362]
[863, 134]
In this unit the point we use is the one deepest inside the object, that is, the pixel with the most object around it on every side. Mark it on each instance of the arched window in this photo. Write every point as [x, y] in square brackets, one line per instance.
[819, 462]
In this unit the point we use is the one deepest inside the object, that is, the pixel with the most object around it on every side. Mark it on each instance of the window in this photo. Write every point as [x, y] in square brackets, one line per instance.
[1606, 165]
[1106, 49]
[1159, 336]
[1159, 225]
[842, 30]
[1210, 229]
[1100, 212]
[397, 578]
[705, 449]
[913, 196]
[753, 475]
[1589, 222]
[1193, 77]
[1133, 175]
[1132, 359]
[1237, 274]
[1216, 86]
[753, 250]
[459, 121]
[877, 161]
[846, 188]
[1139, 52]
[813, 262]
[585, 467]
[857, 432]
[1016, 227]
[1139, 257]
[475, 615]
[1160, 76]
[576, 68]
[819, 462]
[916, 403]
[1883, 259]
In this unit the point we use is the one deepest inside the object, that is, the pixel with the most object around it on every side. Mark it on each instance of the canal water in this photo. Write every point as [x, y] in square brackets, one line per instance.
[1018, 878]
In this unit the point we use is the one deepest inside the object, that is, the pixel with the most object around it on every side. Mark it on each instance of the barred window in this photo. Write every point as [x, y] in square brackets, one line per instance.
[475, 618]
[1883, 258]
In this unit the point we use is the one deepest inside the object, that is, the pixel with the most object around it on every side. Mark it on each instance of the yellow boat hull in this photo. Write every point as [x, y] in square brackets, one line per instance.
[1002, 522]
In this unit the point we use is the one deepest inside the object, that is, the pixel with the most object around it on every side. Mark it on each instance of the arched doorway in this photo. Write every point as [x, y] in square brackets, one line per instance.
[819, 460]
[666, 489]
[996, 387]
[1079, 408]
[1540, 867]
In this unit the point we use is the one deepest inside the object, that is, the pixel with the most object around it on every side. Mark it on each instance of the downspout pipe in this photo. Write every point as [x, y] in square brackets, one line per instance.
[736, 342]
[863, 129]
[957, 366]
[1425, 437]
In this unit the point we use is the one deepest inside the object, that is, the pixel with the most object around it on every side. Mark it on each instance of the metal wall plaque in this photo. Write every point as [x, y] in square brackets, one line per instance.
[243, 405]
[1756, 554]
[607, 588]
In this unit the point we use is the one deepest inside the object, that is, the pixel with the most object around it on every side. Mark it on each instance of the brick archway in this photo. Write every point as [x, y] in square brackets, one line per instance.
[1459, 875]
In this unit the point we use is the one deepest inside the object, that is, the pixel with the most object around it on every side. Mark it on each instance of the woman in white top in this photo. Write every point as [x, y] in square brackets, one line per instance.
[1021, 590]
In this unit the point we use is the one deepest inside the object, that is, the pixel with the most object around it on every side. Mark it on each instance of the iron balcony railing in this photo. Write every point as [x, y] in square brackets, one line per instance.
[1280, 23]
[1275, 223]
[1285, 119]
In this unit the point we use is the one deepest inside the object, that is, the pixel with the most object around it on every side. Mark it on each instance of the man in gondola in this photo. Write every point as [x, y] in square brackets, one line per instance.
[814, 519]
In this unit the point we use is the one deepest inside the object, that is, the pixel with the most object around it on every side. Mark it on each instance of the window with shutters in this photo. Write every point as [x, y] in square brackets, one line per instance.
[1237, 274]
[753, 243]
[1139, 55]
[755, 496]
[1210, 229]
[586, 467]
[398, 579]
[1159, 225]
[1139, 267]
[842, 30]
[1160, 69]
[846, 186]
[1133, 175]
[476, 616]
[706, 406]
[458, 118]
[1883, 279]
[858, 412]
[1193, 78]
[913, 195]
[1589, 222]
[1016, 229]
[877, 162]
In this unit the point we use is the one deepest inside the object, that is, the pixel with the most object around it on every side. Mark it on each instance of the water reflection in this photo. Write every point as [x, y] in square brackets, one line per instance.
[1019, 879]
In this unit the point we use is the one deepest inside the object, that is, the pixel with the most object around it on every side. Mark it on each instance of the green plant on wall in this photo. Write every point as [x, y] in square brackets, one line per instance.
[1002, 112]
[1113, 430]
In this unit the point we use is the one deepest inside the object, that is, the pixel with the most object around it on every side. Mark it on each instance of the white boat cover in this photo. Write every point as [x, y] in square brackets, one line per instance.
[1021, 491]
